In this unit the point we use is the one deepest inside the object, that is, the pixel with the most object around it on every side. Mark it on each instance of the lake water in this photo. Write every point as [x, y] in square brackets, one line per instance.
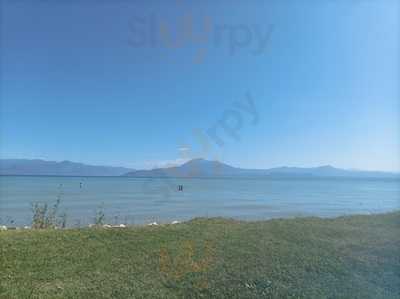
[143, 200]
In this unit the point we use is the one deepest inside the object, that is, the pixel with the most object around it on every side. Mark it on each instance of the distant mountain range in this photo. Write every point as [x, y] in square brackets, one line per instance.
[206, 168]
[64, 168]
[194, 168]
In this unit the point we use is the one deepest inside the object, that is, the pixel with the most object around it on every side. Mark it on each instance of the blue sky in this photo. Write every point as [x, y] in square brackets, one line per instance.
[103, 83]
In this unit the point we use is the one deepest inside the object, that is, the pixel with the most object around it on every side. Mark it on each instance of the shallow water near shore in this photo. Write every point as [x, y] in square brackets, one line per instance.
[142, 200]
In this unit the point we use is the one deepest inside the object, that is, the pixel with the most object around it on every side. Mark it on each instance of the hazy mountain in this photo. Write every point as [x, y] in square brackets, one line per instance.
[205, 168]
[327, 171]
[193, 168]
[67, 168]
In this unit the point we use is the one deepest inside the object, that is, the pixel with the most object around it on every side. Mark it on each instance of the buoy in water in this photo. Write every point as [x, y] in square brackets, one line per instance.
[180, 187]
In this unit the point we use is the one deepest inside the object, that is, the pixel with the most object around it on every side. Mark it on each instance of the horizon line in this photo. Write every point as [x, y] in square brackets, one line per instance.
[169, 165]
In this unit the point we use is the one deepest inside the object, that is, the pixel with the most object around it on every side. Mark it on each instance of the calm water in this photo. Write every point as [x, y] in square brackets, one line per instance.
[138, 201]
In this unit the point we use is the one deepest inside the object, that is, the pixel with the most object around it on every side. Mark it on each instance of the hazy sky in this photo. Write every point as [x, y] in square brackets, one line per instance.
[129, 83]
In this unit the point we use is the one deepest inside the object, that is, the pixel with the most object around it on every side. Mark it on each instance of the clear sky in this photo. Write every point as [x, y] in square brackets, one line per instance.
[104, 82]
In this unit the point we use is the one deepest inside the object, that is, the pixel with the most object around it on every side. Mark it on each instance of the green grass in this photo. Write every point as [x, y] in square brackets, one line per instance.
[346, 257]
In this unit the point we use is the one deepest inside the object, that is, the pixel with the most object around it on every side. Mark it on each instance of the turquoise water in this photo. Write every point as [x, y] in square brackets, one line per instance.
[142, 200]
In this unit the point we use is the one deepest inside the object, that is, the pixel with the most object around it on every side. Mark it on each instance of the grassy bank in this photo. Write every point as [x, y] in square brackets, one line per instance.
[347, 257]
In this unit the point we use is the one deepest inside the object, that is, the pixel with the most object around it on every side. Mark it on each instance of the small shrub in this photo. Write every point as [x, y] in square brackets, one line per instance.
[45, 217]
[99, 216]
